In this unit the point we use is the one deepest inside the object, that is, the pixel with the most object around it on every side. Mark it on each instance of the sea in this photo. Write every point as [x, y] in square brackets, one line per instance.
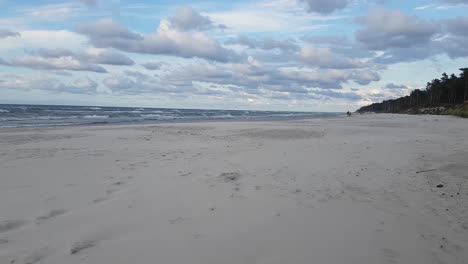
[14, 115]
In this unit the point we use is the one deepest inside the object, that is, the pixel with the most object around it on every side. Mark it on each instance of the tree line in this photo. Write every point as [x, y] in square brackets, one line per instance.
[447, 91]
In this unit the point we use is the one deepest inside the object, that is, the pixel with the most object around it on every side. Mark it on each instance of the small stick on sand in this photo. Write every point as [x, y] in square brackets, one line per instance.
[426, 171]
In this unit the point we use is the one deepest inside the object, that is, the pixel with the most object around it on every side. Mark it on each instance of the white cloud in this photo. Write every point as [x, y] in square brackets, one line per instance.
[272, 50]
[47, 83]
[166, 41]
[60, 63]
[325, 58]
[254, 17]
[325, 6]
[384, 28]
[52, 12]
[5, 33]
[187, 19]
[36, 39]
[89, 3]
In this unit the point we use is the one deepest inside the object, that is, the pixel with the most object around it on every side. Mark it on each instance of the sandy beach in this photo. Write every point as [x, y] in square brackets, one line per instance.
[365, 189]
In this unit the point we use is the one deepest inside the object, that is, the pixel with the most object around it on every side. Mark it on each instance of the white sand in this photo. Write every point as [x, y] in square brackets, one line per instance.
[318, 191]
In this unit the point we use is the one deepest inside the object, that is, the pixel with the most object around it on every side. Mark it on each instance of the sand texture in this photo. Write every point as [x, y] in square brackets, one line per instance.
[366, 189]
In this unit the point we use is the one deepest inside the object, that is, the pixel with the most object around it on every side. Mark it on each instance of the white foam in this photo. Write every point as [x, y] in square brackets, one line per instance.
[96, 116]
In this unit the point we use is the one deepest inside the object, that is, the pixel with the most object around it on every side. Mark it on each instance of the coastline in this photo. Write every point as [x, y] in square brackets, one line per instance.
[340, 190]
[62, 115]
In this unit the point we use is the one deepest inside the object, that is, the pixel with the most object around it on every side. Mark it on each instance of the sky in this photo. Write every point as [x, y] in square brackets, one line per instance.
[291, 55]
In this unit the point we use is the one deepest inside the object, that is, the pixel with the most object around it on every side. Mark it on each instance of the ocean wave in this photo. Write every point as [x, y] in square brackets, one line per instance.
[150, 115]
[54, 117]
[96, 116]
[157, 117]
[226, 116]
[10, 119]
[35, 115]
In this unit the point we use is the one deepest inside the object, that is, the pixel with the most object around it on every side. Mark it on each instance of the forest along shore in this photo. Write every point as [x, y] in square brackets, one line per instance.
[447, 95]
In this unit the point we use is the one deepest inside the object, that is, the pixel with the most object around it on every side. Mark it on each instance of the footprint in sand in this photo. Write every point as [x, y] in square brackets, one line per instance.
[49, 216]
[230, 177]
[82, 245]
[390, 255]
[100, 200]
[118, 183]
[184, 174]
[176, 220]
[87, 242]
[9, 225]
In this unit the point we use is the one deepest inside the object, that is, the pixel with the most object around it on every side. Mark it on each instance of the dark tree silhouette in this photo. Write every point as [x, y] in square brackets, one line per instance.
[446, 91]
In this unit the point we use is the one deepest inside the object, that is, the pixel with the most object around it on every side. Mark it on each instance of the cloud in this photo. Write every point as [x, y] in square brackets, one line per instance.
[60, 63]
[3, 62]
[5, 33]
[454, 1]
[384, 29]
[54, 53]
[252, 75]
[91, 55]
[166, 41]
[454, 39]
[324, 79]
[85, 84]
[340, 95]
[342, 48]
[364, 76]
[236, 80]
[108, 57]
[152, 65]
[450, 39]
[63, 59]
[456, 26]
[107, 31]
[287, 66]
[118, 83]
[89, 3]
[134, 83]
[325, 58]
[188, 19]
[327, 40]
[454, 46]
[46, 83]
[395, 37]
[51, 12]
[325, 6]
[393, 86]
[265, 44]
[37, 39]
[376, 96]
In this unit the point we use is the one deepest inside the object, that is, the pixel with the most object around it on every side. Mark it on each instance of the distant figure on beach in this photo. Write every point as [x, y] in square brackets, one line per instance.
[348, 113]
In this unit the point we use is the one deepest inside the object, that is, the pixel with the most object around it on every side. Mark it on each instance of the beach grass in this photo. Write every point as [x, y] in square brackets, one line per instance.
[459, 111]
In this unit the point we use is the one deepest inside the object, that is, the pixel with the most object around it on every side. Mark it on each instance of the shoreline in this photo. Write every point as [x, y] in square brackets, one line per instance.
[169, 122]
